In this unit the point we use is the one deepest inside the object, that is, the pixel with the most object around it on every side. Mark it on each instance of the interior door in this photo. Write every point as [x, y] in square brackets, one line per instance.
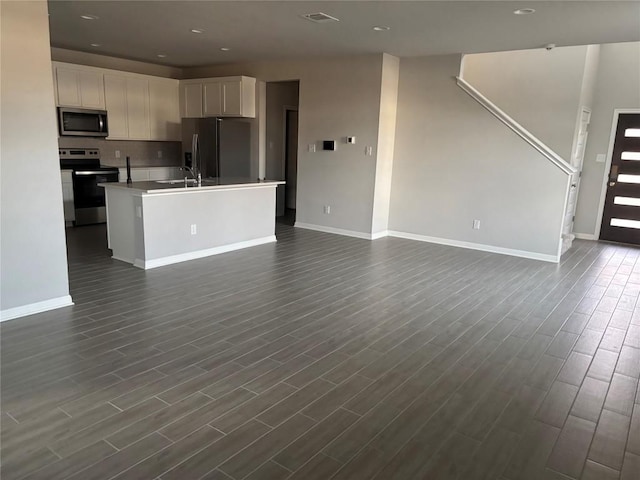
[621, 216]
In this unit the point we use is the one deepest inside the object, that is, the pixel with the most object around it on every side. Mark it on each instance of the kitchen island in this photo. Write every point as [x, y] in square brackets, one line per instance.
[151, 224]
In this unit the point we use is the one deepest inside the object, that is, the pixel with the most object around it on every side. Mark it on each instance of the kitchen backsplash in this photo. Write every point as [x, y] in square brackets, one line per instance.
[143, 154]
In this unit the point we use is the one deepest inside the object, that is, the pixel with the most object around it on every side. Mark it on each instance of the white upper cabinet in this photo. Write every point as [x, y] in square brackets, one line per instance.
[218, 97]
[212, 99]
[191, 100]
[115, 87]
[76, 87]
[139, 107]
[164, 110]
[232, 101]
[127, 101]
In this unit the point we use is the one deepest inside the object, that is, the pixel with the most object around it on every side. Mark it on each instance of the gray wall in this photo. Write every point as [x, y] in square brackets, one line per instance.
[454, 162]
[539, 89]
[617, 86]
[33, 250]
[339, 97]
[114, 63]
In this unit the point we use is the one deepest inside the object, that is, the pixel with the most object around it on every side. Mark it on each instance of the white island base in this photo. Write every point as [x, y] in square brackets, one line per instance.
[151, 224]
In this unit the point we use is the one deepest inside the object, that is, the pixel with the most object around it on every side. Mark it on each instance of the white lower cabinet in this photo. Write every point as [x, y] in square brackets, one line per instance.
[67, 196]
[146, 174]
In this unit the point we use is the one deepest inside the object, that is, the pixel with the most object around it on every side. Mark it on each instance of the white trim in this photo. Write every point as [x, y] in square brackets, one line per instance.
[337, 231]
[477, 246]
[382, 234]
[38, 307]
[607, 165]
[516, 127]
[585, 236]
[183, 257]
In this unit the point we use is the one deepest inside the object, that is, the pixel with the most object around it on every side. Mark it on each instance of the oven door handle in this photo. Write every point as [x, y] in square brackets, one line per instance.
[93, 172]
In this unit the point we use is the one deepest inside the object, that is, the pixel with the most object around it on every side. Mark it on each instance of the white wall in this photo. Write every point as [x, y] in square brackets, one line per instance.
[540, 89]
[386, 143]
[617, 86]
[32, 251]
[454, 162]
[339, 97]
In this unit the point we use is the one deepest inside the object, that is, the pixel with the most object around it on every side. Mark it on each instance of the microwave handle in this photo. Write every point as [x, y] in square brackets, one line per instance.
[101, 122]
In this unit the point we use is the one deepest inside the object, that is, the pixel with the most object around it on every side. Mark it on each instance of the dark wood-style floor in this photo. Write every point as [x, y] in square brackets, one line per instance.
[327, 357]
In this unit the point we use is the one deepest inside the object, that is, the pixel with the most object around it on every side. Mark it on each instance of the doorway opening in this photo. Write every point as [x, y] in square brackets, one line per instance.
[290, 164]
[282, 145]
[621, 214]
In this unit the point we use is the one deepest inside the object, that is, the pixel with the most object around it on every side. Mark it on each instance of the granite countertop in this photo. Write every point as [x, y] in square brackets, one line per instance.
[178, 186]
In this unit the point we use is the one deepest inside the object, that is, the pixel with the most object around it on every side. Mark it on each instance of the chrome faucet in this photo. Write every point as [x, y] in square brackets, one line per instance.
[197, 176]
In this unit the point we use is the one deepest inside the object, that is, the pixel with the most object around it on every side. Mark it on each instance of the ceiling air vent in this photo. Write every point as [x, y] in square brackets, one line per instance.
[320, 17]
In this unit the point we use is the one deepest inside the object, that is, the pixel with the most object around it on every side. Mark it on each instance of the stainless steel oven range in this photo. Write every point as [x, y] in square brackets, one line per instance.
[88, 198]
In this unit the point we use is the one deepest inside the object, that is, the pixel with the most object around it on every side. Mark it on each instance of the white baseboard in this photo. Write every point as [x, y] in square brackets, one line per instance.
[377, 235]
[183, 257]
[340, 231]
[585, 236]
[476, 246]
[38, 307]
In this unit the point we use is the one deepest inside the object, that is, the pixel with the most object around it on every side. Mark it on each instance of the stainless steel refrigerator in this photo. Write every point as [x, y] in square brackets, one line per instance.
[223, 146]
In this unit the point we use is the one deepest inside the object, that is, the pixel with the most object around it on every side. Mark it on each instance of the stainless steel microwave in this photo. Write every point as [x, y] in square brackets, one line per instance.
[81, 122]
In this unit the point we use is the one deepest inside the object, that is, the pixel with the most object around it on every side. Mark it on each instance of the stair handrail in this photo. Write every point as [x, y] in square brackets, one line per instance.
[501, 115]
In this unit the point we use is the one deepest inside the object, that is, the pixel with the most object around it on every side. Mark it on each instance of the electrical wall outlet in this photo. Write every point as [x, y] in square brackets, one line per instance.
[194, 229]
[159, 153]
[117, 153]
[327, 209]
[476, 224]
[312, 147]
[368, 151]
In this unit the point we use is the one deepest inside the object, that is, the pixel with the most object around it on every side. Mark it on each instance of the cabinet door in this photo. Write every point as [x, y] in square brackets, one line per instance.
[192, 100]
[115, 89]
[164, 115]
[232, 98]
[91, 89]
[212, 99]
[138, 108]
[68, 92]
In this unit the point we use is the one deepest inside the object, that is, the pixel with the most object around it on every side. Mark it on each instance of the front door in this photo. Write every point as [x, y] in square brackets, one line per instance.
[621, 216]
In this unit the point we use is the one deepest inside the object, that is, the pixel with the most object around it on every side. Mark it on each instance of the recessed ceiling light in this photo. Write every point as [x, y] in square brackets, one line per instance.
[96, 44]
[225, 49]
[162, 55]
[381, 28]
[196, 30]
[524, 11]
[89, 17]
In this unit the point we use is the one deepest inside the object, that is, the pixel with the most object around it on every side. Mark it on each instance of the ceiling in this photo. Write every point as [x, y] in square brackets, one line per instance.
[270, 30]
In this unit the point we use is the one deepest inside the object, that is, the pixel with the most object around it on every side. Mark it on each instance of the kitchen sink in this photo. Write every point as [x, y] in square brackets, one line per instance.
[190, 181]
